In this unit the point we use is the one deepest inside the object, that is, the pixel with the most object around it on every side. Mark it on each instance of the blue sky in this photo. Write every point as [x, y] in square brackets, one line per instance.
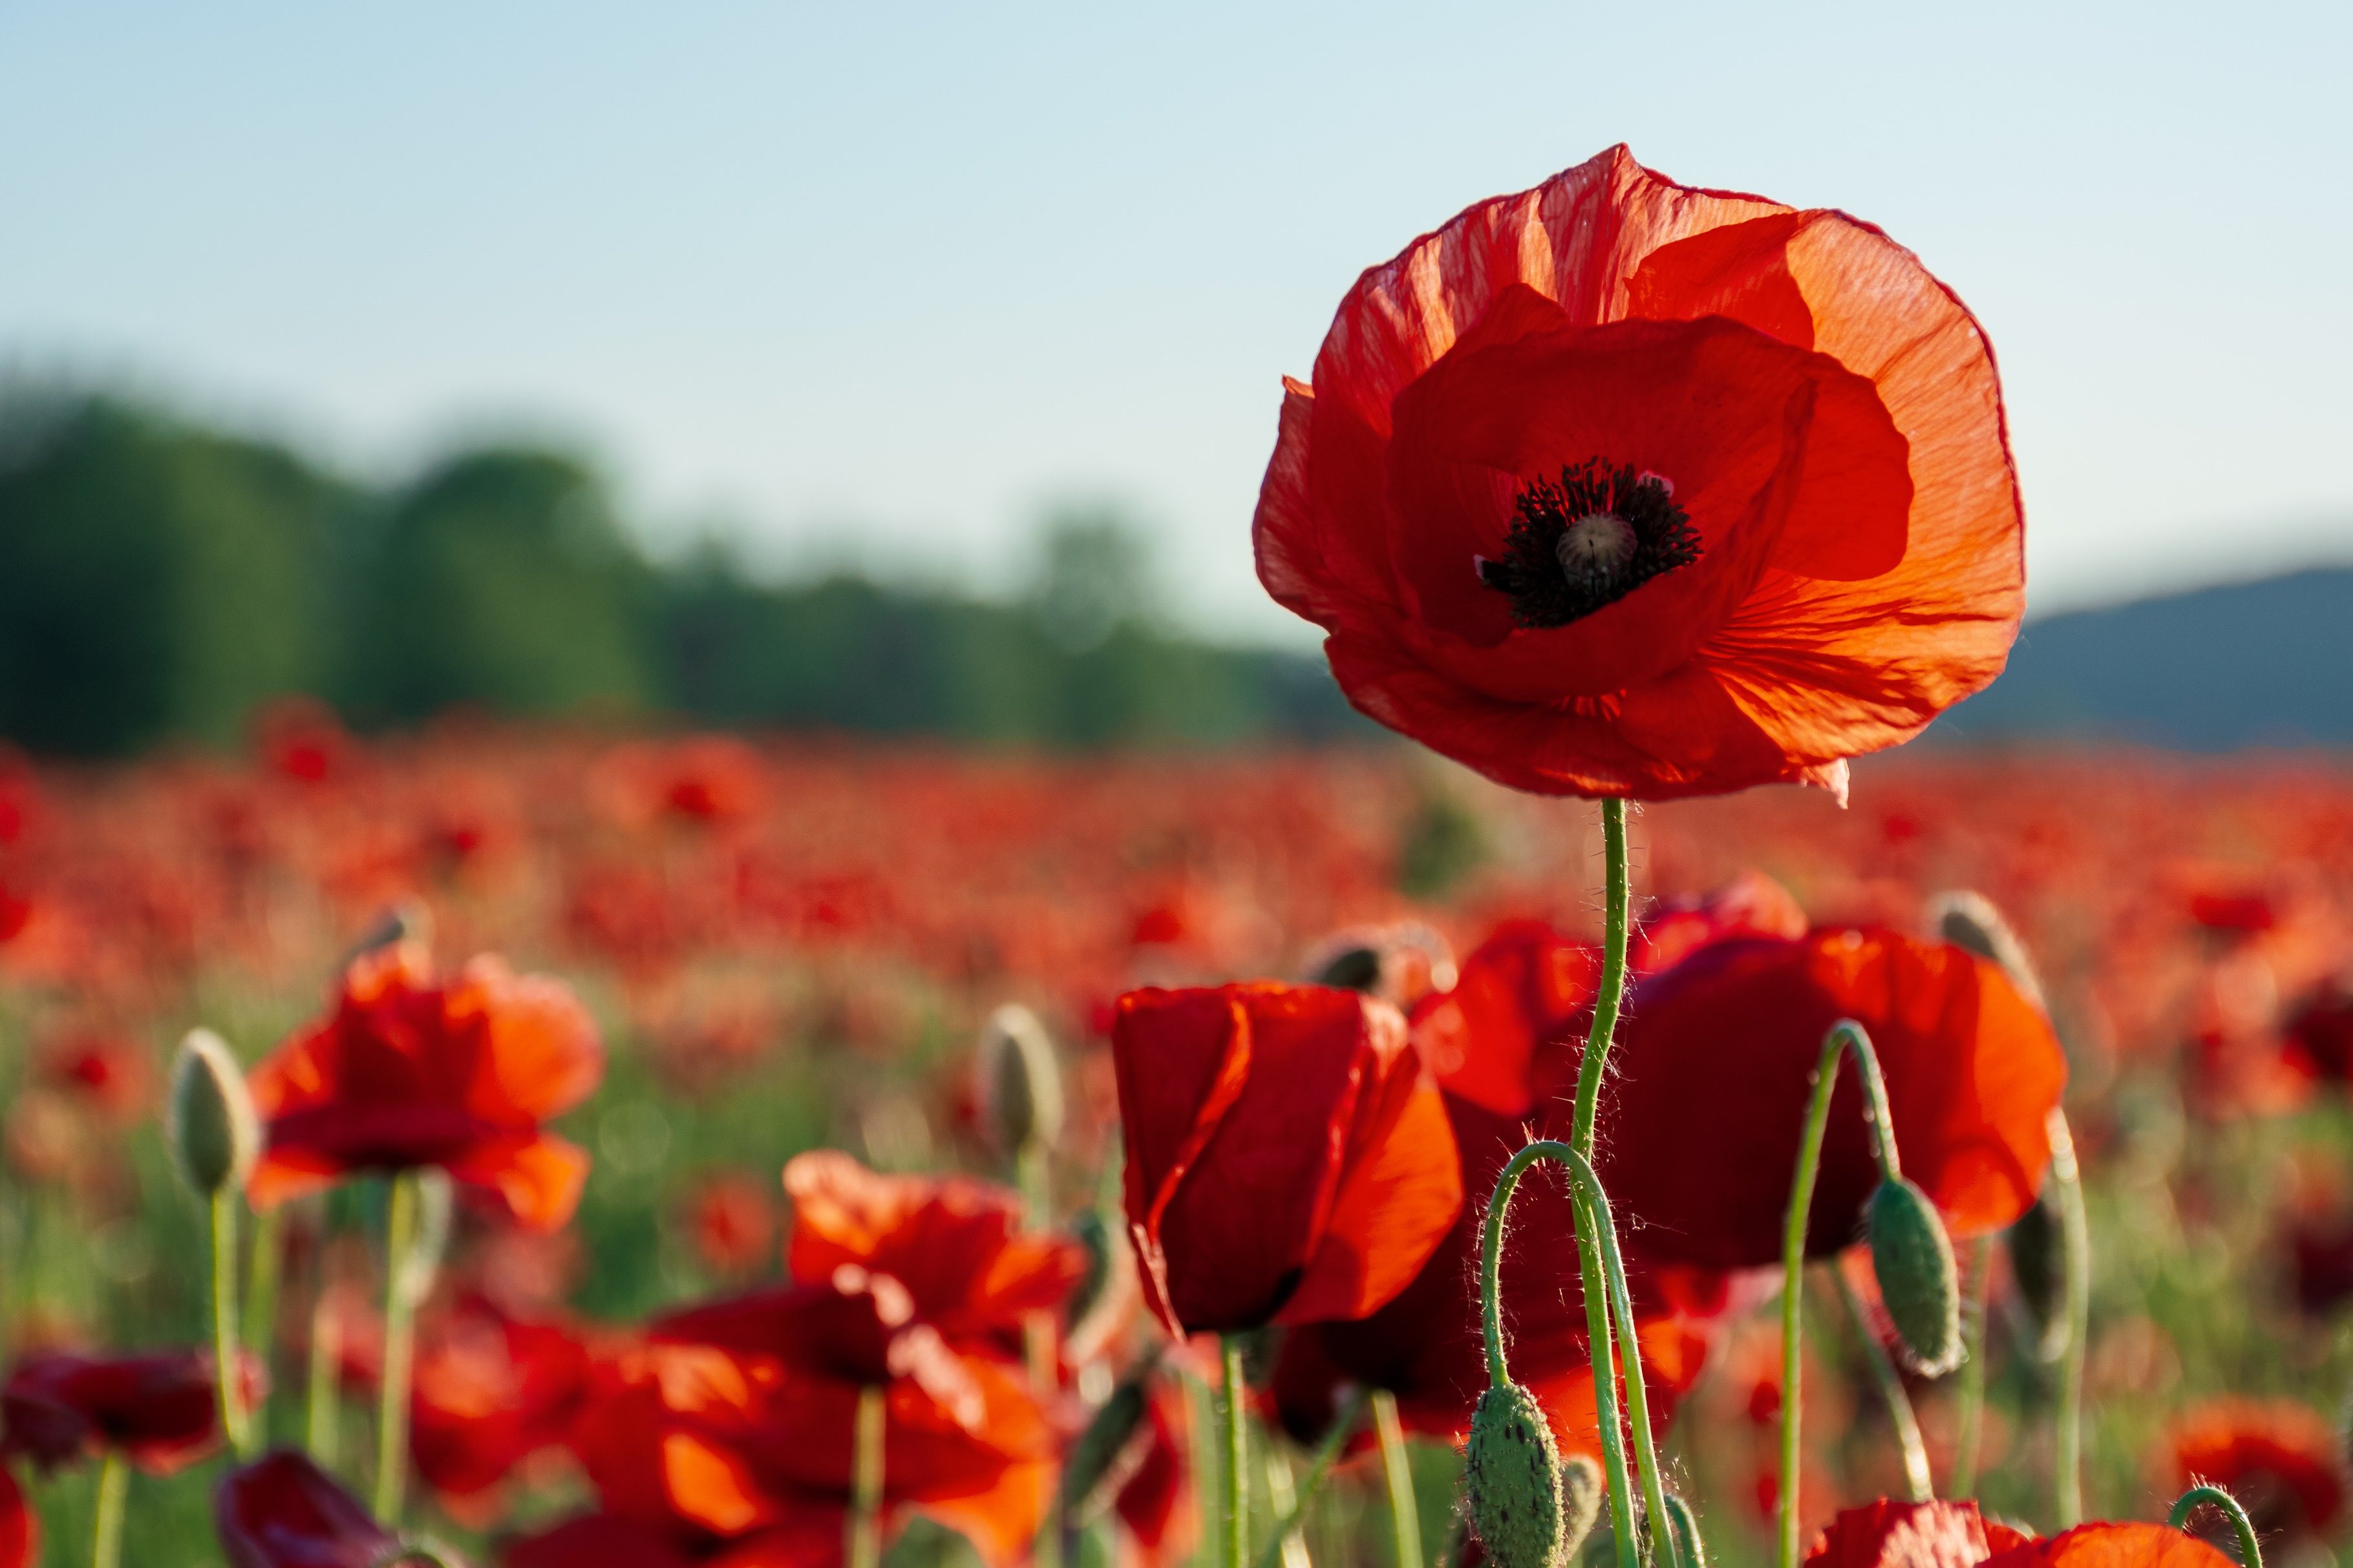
[879, 282]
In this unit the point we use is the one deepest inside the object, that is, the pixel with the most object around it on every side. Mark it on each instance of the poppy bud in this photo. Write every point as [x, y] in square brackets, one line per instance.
[1096, 1458]
[1021, 1085]
[216, 1138]
[1970, 920]
[1919, 1282]
[1581, 1496]
[2034, 1264]
[1512, 1472]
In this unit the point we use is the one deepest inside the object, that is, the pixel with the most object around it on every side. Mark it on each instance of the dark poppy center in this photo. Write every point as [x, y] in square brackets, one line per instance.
[1587, 540]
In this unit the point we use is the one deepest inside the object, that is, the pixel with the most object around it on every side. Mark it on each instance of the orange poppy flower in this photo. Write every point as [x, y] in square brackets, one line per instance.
[1618, 487]
[159, 1411]
[1288, 1155]
[1718, 1049]
[1885, 1533]
[1519, 990]
[2276, 1457]
[409, 1070]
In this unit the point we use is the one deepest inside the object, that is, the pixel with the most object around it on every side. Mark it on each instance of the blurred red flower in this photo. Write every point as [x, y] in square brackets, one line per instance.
[159, 1411]
[20, 1527]
[1155, 1501]
[734, 1222]
[1518, 991]
[2319, 1034]
[1621, 488]
[957, 1245]
[2279, 1459]
[491, 1390]
[2108, 1545]
[1885, 1533]
[1751, 904]
[1287, 1154]
[1707, 1113]
[409, 1070]
[283, 1511]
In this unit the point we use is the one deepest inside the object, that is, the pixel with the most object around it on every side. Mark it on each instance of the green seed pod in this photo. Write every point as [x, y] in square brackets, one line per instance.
[214, 1135]
[1512, 1472]
[2035, 1255]
[1581, 1497]
[1020, 1083]
[1099, 1462]
[1918, 1281]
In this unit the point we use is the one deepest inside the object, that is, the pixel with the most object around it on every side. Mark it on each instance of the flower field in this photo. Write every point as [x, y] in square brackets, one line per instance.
[720, 956]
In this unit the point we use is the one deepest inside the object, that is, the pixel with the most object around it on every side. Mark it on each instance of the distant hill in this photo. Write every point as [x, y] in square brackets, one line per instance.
[2268, 663]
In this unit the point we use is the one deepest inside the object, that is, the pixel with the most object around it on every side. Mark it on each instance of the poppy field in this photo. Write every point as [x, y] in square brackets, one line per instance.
[1639, 1126]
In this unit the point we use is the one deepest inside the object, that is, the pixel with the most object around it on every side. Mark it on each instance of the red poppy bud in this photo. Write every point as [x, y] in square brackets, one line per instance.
[1512, 1472]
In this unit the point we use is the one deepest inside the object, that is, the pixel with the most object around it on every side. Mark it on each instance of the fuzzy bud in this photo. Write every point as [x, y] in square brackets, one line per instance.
[1020, 1083]
[1512, 1472]
[1581, 1497]
[2034, 1263]
[216, 1138]
[1970, 920]
[1919, 1282]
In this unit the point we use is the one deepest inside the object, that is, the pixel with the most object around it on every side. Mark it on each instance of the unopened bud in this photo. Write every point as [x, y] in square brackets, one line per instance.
[2035, 1265]
[1970, 920]
[1022, 1085]
[1099, 1461]
[1919, 1282]
[1581, 1497]
[216, 1137]
[1512, 1472]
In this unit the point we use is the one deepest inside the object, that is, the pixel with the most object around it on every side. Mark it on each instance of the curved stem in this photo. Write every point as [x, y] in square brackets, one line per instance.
[1889, 1383]
[1689, 1547]
[2076, 1231]
[1405, 1512]
[1964, 1481]
[1844, 1035]
[863, 1525]
[1234, 1423]
[225, 1361]
[2250, 1554]
[399, 1351]
[106, 1531]
[1327, 1453]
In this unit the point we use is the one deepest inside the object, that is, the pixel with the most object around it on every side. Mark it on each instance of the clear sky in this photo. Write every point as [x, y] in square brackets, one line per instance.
[886, 279]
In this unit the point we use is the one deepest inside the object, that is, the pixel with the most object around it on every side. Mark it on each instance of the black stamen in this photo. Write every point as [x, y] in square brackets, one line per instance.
[1544, 591]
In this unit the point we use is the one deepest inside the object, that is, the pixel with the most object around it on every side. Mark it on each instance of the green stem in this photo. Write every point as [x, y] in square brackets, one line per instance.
[2076, 1231]
[113, 1490]
[226, 1360]
[1689, 1547]
[259, 1320]
[1233, 1423]
[1327, 1453]
[1889, 1383]
[864, 1524]
[2250, 1554]
[399, 1351]
[320, 1415]
[1405, 1514]
[1843, 1034]
[1964, 1482]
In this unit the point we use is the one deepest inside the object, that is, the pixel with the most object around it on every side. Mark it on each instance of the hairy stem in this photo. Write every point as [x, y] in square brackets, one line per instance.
[2251, 1555]
[1971, 1396]
[1889, 1383]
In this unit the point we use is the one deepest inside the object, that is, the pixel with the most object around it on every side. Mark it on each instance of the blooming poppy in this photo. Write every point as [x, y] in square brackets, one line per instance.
[957, 1245]
[1517, 991]
[409, 1070]
[2111, 1545]
[490, 1390]
[1287, 1154]
[2276, 1457]
[1717, 1051]
[20, 1527]
[1622, 488]
[1425, 1346]
[159, 1411]
[283, 1511]
[1885, 1533]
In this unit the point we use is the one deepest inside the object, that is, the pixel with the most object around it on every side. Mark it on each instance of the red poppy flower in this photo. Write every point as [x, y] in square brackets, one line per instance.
[1751, 904]
[1708, 1111]
[20, 1527]
[733, 1429]
[1520, 989]
[1621, 488]
[2319, 1034]
[1288, 1156]
[2277, 1458]
[956, 1244]
[1425, 1346]
[489, 1390]
[283, 1511]
[2107, 1545]
[1884, 1533]
[409, 1070]
[161, 1411]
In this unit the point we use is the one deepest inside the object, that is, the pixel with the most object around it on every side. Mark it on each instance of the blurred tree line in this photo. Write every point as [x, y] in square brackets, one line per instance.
[158, 579]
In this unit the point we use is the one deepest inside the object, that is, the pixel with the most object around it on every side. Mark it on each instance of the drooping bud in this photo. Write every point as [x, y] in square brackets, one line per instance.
[1020, 1083]
[2035, 1263]
[216, 1138]
[1581, 1497]
[1102, 1460]
[1919, 1282]
[407, 921]
[1512, 1472]
[1969, 919]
